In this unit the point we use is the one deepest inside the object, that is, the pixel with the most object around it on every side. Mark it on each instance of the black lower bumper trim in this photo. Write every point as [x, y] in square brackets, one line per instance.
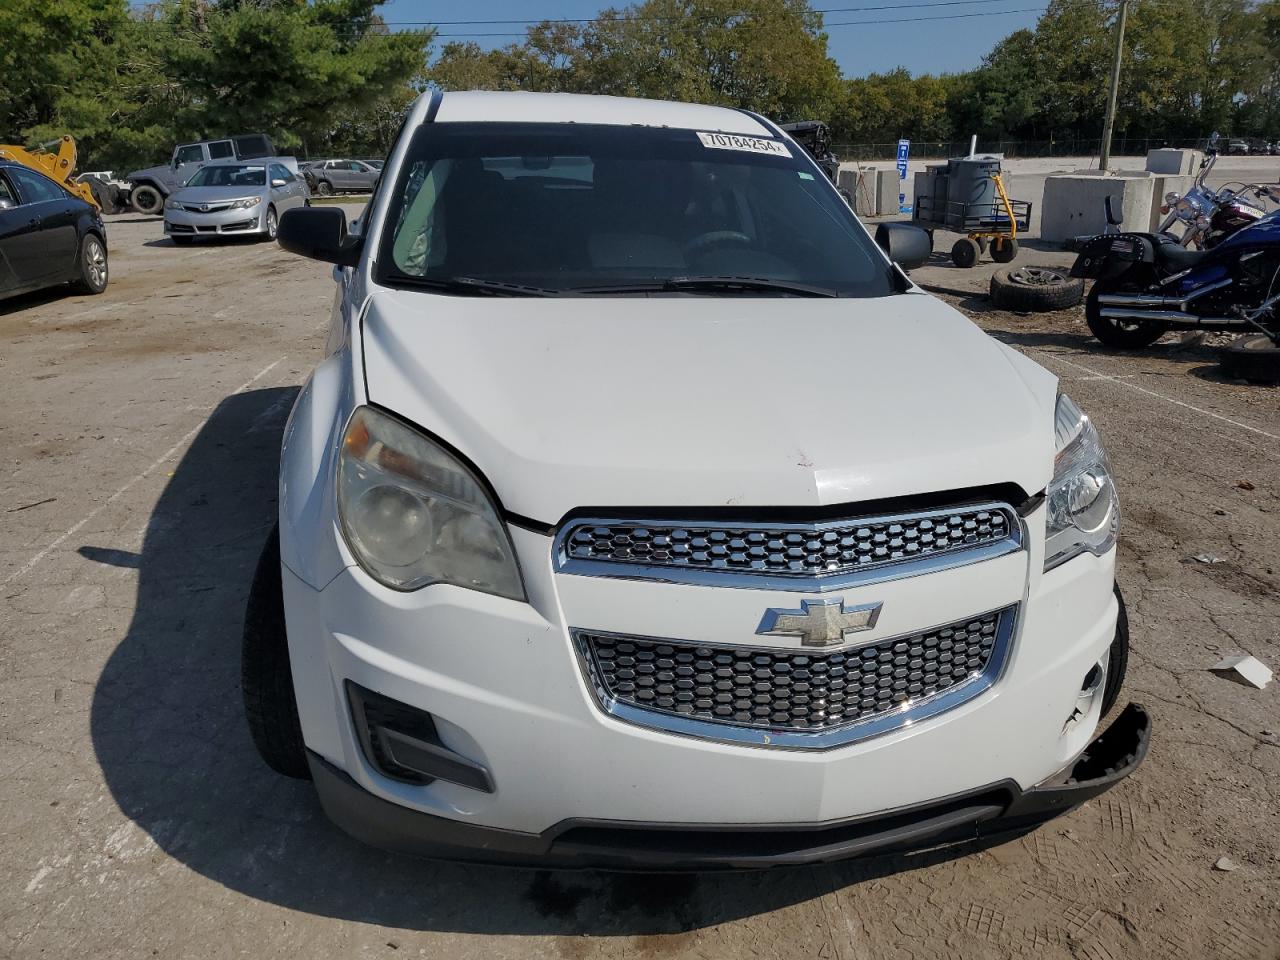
[621, 845]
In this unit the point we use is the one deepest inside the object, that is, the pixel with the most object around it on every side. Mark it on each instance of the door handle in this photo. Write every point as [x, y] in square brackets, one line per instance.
[34, 222]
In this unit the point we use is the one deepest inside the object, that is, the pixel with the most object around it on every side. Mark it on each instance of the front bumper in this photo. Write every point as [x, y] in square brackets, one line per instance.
[579, 843]
[215, 223]
[501, 682]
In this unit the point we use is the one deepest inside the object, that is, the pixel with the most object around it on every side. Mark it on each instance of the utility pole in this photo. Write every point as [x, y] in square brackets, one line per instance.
[1114, 92]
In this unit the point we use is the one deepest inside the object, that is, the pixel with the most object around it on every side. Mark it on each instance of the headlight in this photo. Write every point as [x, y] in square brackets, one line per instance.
[246, 204]
[172, 204]
[414, 515]
[1083, 510]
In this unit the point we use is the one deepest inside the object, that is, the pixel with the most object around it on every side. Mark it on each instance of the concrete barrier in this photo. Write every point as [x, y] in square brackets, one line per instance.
[1176, 162]
[888, 186]
[1073, 203]
[861, 185]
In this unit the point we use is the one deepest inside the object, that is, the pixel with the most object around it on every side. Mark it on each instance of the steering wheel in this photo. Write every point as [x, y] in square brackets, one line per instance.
[714, 238]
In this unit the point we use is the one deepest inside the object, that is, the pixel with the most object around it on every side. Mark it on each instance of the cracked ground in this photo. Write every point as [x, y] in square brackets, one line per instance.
[140, 441]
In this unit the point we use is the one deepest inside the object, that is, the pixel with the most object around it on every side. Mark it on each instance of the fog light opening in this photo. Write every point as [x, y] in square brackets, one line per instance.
[401, 743]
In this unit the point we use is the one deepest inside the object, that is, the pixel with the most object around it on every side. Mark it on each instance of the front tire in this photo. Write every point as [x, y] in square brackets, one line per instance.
[1004, 250]
[273, 223]
[146, 199]
[1118, 662]
[965, 252]
[266, 680]
[1118, 334]
[92, 265]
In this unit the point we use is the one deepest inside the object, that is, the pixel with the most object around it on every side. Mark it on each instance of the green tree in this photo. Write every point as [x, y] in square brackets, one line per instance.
[58, 65]
[287, 68]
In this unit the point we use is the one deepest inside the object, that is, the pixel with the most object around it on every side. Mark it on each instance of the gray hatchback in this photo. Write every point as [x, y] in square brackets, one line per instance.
[234, 197]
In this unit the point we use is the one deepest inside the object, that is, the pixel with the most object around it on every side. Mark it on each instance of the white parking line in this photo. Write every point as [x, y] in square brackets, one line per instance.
[186, 438]
[1095, 374]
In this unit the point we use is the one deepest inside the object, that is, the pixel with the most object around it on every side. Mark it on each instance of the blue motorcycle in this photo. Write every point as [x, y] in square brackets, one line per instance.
[1146, 284]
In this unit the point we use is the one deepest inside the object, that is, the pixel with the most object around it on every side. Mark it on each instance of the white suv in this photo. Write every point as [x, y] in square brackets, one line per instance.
[644, 514]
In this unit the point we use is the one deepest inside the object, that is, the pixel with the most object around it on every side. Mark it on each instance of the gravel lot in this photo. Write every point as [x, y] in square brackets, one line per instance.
[140, 441]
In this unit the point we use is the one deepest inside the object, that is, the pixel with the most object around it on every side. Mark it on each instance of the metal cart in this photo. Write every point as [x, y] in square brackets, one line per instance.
[987, 226]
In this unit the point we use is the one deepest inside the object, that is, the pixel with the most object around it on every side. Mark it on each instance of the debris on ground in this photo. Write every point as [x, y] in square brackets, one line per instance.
[1245, 485]
[1244, 669]
[1225, 865]
[1207, 558]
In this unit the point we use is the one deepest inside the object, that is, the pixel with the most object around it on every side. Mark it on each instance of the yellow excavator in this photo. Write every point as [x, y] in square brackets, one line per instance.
[58, 166]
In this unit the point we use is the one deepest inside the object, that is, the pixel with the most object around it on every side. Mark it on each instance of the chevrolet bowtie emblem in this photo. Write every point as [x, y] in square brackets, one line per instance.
[819, 623]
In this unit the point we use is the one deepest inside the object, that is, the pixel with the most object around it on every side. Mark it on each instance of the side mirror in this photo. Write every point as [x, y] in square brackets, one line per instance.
[906, 245]
[319, 233]
[277, 182]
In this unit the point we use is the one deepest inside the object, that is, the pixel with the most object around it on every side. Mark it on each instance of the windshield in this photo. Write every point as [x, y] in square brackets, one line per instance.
[229, 175]
[577, 207]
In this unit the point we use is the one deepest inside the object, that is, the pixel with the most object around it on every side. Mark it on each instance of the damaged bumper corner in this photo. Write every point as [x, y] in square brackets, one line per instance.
[1112, 756]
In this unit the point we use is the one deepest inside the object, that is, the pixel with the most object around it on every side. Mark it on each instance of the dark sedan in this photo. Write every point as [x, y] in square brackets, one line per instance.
[47, 236]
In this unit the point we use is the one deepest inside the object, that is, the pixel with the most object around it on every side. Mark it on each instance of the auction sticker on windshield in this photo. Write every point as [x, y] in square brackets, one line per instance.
[730, 141]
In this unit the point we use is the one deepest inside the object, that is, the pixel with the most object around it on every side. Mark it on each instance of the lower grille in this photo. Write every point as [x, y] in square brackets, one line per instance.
[708, 690]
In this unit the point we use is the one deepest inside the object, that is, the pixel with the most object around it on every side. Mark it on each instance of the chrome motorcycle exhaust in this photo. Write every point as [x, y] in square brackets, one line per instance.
[1173, 317]
[1158, 302]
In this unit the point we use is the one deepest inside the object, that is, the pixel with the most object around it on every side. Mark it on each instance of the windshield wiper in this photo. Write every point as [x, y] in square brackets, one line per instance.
[474, 287]
[676, 284]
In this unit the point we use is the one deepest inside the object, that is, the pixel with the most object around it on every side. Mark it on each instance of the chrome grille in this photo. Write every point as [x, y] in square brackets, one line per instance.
[833, 549]
[769, 693]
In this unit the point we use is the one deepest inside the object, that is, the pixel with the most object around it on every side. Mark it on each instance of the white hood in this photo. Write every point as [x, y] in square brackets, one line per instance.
[702, 401]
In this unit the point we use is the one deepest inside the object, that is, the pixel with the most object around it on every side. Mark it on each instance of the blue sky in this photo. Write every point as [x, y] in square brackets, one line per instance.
[924, 46]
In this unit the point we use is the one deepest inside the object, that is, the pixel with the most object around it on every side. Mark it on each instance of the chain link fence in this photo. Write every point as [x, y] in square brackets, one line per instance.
[1068, 147]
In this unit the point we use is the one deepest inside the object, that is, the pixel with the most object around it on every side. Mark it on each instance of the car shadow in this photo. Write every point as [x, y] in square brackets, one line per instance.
[170, 736]
[220, 240]
[37, 298]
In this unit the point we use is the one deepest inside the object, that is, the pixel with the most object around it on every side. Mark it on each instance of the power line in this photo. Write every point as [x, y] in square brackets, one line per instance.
[702, 16]
[842, 23]
[395, 34]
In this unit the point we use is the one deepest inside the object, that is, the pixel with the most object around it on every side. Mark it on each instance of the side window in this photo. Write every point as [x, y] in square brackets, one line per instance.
[8, 196]
[278, 172]
[357, 167]
[33, 188]
[220, 150]
[252, 146]
[191, 153]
